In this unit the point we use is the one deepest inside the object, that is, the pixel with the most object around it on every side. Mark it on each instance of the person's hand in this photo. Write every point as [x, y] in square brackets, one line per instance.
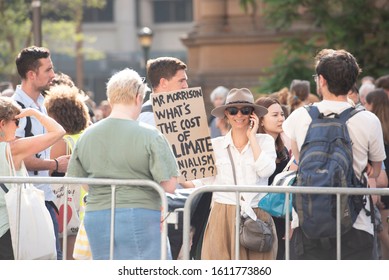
[187, 184]
[253, 126]
[28, 112]
[63, 162]
[369, 170]
[380, 205]
[290, 234]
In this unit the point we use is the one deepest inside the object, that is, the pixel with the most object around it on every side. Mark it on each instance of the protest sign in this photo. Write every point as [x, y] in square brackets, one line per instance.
[181, 117]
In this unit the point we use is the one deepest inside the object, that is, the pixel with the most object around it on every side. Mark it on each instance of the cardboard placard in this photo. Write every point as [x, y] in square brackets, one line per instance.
[181, 117]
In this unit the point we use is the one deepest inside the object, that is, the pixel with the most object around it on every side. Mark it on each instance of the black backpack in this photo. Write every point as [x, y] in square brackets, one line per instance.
[326, 160]
[27, 128]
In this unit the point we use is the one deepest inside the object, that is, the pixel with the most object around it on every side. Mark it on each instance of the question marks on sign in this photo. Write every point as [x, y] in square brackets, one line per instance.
[184, 173]
[212, 169]
[202, 170]
[194, 172]
[198, 171]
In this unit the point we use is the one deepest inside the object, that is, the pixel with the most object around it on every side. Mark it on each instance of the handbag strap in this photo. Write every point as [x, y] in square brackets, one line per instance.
[232, 163]
[233, 171]
[69, 144]
[288, 164]
[4, 187]
[12, 170]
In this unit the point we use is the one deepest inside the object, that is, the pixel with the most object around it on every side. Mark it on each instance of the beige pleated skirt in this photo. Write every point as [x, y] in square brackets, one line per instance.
[219, 236]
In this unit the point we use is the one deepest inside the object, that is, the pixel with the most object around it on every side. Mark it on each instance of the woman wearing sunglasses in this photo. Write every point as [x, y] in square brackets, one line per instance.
[252, 161]
[15, 150]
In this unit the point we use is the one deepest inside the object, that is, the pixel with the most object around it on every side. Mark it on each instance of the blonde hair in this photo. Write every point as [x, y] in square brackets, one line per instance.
[124, 86]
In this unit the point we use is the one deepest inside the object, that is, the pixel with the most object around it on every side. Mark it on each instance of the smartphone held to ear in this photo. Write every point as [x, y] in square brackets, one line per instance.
[251, 124]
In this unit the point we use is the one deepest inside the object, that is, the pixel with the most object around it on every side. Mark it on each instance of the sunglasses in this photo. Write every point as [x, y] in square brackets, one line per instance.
[245, 110]
[143, 82]
[16, 121]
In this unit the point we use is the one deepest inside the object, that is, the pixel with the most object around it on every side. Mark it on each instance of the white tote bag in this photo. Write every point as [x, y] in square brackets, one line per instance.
[71, 224]
[35, 230]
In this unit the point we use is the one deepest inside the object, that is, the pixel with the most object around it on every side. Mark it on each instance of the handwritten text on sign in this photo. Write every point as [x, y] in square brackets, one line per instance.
[181, 117]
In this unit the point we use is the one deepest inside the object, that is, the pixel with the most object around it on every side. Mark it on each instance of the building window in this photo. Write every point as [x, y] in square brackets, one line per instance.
[172, 11]
[99, 15]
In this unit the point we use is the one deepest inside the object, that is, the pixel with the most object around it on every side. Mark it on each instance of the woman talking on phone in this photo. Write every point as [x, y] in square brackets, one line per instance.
[243, 157]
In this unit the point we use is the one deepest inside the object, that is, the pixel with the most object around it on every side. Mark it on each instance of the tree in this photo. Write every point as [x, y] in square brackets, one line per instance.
[62, 31]
[71, 15]
[15, 33]
[359, 26]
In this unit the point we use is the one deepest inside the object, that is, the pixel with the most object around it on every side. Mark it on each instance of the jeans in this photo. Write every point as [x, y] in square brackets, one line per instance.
[137, 234]
[53, 214]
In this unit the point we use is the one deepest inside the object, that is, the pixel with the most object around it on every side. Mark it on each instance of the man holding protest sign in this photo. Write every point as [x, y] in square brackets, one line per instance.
[181, 117]
[165, 74]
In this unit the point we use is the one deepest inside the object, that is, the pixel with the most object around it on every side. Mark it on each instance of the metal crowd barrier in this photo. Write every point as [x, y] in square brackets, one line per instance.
[274, 189]
[89, 181]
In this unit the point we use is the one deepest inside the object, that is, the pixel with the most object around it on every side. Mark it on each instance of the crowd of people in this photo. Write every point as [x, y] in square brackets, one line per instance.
[49, 127]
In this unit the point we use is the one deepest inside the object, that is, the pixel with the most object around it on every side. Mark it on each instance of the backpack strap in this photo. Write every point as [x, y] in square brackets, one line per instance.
[3, 187]
[350, 112]
[27, 128]
[147, 108]
[357, 110]
[346, 114]
[372, 211]
[313, 111]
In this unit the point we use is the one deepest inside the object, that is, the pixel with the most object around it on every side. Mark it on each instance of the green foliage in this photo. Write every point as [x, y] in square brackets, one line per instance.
[293, 61]
[66, 9]
[246, 3]
[15, 30]
[62, 26]
[59, 29]
[61, 36]
[359, 26]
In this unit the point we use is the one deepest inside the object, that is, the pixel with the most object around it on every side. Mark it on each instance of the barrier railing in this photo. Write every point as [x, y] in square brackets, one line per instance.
[287, 190]
[89, 181]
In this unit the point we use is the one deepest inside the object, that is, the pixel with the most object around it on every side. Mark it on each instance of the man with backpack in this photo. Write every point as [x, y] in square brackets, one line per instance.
[36, 71]
[333, 144]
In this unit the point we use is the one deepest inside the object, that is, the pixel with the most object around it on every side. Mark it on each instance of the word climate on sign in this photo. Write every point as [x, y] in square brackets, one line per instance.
[181, 117]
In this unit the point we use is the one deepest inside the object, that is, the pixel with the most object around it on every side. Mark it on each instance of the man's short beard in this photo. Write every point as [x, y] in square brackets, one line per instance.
[44, 88]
